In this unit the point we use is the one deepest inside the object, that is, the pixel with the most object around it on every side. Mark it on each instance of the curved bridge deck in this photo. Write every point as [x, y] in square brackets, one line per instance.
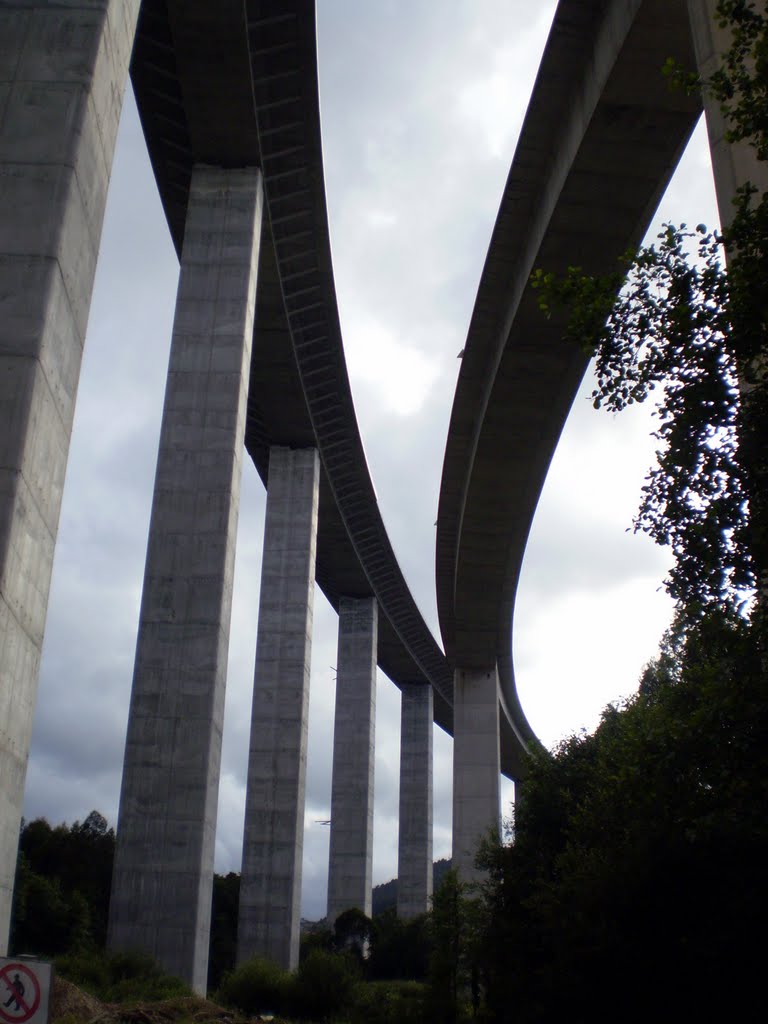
[299, 389]
[601, 139]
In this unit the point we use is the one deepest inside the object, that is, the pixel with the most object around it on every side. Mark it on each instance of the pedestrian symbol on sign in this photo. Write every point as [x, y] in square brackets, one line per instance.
[19, 993]
[17, 989]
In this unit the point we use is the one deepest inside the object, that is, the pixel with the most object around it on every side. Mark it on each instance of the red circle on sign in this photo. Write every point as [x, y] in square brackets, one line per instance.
[28, 1006]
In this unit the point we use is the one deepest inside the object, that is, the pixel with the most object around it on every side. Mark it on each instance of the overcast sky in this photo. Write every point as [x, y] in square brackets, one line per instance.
[422, 103]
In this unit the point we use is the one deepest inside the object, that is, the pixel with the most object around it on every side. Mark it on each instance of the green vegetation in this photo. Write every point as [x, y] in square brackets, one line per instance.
[63, 880]
[388, 1002]
[639, 853]
[119, 977]
[258, 986]
[223, 947]
[674, 322]
[328, 986]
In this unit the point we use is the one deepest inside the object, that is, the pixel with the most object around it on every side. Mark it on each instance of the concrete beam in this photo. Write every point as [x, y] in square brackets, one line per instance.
[161, 889]
[476, 765]
[63, 69]
[414, 873]
[273, 843]
[351, 850]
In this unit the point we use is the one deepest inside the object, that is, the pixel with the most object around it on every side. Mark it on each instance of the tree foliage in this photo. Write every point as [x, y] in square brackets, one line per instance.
[224, 910]
[635, 888]
[399, 948]
[671, 320]
[638, 862]
[61, 900]
[669, 332]
[456, 925]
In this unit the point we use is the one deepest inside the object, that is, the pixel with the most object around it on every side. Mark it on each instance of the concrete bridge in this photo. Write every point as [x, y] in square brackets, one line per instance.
[228, 99]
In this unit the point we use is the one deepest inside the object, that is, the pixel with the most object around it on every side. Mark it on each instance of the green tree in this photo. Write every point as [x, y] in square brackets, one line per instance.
[453, 976]
[76, 864]
[399, 948]
[257, 986]
[325, 985]
[352, 933]
[697, 336]
[639, 850]
[45, 921]
[224, 911]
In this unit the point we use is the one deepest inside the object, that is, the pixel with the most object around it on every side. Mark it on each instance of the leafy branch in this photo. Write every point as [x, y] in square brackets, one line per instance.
[673, 322]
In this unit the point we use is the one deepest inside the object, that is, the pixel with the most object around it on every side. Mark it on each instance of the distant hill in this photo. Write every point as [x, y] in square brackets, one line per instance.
[385, 895]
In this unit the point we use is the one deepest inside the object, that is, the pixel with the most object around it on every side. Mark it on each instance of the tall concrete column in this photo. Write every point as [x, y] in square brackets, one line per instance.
[63, 69]
[732, 165]
[162, 882]
[351, 851]
[273, 843]
[476, 765]
[414, 852]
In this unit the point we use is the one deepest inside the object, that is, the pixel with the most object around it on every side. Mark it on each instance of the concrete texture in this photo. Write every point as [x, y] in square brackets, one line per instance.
[351, 848]
[732, 165]
[273, 843]
[476, 766]
[414, 852]
[63, 70]
[161, 890]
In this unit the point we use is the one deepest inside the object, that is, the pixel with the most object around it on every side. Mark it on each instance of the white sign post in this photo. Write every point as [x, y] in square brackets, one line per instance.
[25, 990]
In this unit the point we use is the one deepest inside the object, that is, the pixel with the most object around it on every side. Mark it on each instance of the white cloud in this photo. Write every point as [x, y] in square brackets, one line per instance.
[578, 652]
[491, 102]
[396, 377]
[381, 219]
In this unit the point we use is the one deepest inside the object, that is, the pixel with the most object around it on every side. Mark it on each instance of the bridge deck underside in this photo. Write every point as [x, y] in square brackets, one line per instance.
[601, 139]
[299, 390]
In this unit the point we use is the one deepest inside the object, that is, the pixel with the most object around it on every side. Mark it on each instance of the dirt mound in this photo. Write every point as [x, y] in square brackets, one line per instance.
[187, 1008]
[68, 1001]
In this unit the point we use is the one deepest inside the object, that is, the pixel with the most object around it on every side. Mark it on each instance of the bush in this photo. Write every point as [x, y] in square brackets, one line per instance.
[120, 977]
[399, 950]
[321, 939]
[388, 1002]
[325, 985]
[89, 972]
[257, 986]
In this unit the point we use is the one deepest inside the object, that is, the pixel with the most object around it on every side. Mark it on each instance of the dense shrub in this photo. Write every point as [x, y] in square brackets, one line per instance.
[87, 971]
[388, 1002]
[399, 949]
[320, 939]
[325, 985]
[120, 977]
[258, 986]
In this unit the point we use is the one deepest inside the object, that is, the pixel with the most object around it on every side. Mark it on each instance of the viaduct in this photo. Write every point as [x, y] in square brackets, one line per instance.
[228, 98]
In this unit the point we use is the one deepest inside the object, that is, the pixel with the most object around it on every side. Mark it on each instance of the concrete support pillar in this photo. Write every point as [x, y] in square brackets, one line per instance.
[414, 852]
[270, 887]
[476, 765]
[63, 69]
[161, 889]
[351, 852]
[732, 165]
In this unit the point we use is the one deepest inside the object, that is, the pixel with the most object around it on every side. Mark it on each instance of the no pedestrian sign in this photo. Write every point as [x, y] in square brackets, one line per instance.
[25, 988]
